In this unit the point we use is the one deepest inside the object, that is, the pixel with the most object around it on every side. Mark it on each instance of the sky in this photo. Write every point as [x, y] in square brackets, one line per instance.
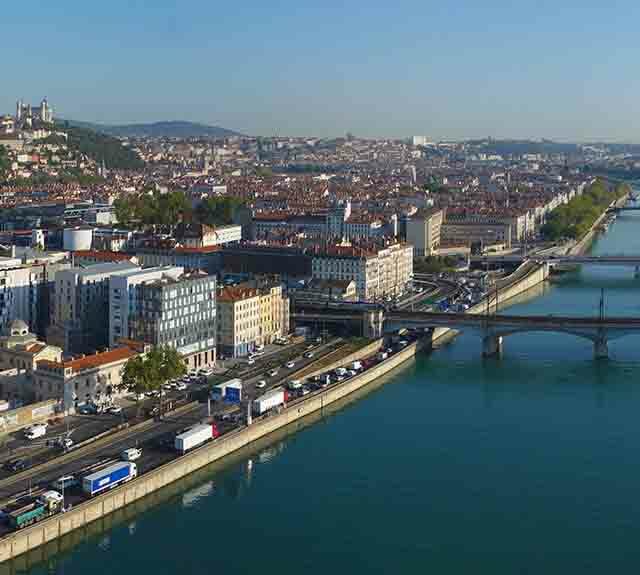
[561, 69]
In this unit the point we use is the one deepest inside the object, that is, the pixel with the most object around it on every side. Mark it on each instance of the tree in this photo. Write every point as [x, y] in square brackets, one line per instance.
[150, 372]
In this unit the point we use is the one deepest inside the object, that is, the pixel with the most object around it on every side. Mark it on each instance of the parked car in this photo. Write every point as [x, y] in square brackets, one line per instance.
[262, 383]
[131, 454]
[181, 386]
[290, 364]
[250, 361]
[308, 355]
[114, 410]
[273, 372]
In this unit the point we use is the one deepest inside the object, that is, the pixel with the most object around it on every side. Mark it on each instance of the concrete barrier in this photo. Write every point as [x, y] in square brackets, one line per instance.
[43, 533]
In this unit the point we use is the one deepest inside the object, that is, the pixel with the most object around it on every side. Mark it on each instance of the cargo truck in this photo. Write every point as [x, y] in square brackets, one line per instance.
[109, 477]
[46, 505]
[269, 400]
[195, 436]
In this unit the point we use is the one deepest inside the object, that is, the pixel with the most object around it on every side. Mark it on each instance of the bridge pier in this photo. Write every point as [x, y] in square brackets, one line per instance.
[373, 324]
[601, 347]
[492, 346]
[636, 272]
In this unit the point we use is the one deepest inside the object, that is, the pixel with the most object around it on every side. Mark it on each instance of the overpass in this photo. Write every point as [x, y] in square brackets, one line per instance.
[492, 328]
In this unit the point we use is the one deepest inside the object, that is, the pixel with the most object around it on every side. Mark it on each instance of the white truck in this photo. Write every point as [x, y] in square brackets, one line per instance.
[269, 400]
[195, 436]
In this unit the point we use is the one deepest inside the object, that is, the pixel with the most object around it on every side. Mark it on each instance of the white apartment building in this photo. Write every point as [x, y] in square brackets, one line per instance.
[423, 232]
[24, 288]
[377, 272]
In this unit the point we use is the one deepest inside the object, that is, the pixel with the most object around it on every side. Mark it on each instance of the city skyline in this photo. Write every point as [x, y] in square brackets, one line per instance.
[496, 70]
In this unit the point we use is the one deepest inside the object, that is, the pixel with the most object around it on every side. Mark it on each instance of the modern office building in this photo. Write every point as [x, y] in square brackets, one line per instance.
[167, 308]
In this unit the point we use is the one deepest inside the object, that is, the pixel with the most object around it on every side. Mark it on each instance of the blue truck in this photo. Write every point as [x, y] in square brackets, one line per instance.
[109, 477]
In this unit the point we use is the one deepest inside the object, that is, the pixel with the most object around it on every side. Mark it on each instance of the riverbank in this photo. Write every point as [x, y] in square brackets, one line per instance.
[43, 533]
[584, 244]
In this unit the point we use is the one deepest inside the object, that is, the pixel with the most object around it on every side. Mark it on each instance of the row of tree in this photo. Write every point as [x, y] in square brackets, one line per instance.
[573, 220]
[154, 209]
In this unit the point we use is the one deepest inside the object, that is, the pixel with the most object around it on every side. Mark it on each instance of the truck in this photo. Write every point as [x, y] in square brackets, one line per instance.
[356, 365]
[195, 436]
[46, 505]
[219, 391]
[271, 399]
[109, 477]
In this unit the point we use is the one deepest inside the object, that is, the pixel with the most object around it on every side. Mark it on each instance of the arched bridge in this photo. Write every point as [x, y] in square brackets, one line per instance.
[492, 328]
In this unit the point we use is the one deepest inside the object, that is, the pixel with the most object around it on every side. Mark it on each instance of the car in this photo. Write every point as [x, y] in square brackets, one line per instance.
[308, 355]
[206, 372]
[305, 390]
[65, 482]
[64, 443]
[181, 386]
[140, 396]
[262, 383]
[318, 340]
[15, 465]
[310, 346]
[250, 361]
[290, 364]
[131, 454]
[272, 372]
[114, 410]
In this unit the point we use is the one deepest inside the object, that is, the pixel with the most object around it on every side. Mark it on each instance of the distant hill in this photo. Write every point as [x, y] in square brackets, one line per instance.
[175, 129]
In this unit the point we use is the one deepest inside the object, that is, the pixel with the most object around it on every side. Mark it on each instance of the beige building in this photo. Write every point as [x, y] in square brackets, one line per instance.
[249, 315]
[93, 378]
[423, 232]
[378, 272]
[20, 351]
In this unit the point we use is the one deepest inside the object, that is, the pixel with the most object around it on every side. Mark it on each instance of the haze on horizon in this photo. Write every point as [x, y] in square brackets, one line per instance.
[560, 70]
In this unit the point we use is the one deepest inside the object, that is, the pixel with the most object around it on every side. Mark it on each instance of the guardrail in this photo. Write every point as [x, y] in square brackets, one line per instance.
[87, 446]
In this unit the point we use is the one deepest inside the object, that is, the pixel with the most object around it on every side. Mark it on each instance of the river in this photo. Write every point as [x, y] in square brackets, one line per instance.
[528, 464]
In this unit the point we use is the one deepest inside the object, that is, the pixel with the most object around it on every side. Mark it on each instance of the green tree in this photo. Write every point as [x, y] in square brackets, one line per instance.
[150, 372]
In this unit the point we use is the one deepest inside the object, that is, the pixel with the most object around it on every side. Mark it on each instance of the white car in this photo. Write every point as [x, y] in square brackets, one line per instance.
[114, 410]
[262, 383]
[251, 361]
[131, 454]
[181, 386]
[290, 364]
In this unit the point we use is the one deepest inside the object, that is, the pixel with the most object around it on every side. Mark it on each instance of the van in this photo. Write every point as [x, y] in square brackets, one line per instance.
[65, 482]
[131, 454]
[35, 431]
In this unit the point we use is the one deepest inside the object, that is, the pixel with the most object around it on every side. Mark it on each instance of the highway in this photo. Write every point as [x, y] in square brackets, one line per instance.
[155, 438]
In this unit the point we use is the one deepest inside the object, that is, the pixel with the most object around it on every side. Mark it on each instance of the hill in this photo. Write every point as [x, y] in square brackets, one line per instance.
[98, 146]
[172, 129]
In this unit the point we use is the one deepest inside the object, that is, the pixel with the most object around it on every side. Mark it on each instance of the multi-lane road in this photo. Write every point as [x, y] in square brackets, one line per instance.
[155, 438]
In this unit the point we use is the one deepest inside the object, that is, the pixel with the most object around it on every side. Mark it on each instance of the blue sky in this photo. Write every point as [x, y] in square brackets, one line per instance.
[564, 69]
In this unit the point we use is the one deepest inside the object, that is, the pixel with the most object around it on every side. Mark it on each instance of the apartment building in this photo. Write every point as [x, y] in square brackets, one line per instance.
[26, 282]
[423, 231]
[95, 378]
[378, 272]
[169, 308]
[249, 315]
[81, 306]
